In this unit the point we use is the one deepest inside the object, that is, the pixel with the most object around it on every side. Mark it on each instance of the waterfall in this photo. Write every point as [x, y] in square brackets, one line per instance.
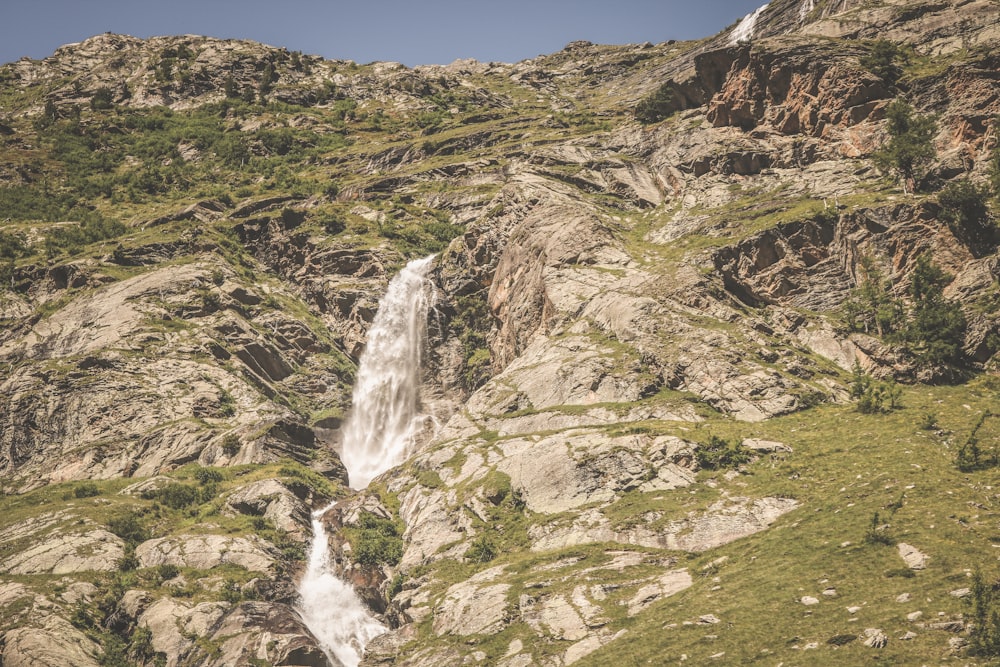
[378, 434]
[384, 408]
[744, 30]
[807, 6]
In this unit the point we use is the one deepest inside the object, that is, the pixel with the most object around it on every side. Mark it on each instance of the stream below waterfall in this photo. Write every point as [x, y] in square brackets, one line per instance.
[379, 433]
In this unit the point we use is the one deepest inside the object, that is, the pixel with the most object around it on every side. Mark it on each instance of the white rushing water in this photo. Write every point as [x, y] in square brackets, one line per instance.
[744, 30]
[378, 435]
[384, 408]
[806, 7]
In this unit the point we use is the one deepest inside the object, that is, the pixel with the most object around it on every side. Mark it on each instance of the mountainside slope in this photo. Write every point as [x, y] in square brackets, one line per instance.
[713, 359]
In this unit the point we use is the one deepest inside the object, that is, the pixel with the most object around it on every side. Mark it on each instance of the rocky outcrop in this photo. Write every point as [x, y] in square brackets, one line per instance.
[812, 89]
[55, 642]
[68, 553]
[203, 552]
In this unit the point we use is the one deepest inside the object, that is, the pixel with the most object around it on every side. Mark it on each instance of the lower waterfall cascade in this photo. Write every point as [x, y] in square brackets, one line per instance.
[378, 434]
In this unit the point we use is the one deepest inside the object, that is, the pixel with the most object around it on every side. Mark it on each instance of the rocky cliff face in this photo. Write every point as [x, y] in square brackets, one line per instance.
[639, 360]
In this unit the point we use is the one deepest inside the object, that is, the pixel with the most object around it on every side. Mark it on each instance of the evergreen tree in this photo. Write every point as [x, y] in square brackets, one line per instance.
[882, 61]
[936, 328]
[963, 207]
[910, 145]
[871, 307]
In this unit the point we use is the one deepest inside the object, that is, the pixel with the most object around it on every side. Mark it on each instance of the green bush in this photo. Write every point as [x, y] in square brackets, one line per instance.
[877, 533]
[935, 331]
[395, 586]
[658, 105]
[482, 550]
[86, 490]
[871, 307]
[471, 323]
[231, 444]
[970, 456]
[874, 396]
[929, 422]
[984, 637]
[718, 454]
[881, 61]
[910, 145]
[378, 542]
[176, 495]
[209, 476]
[101, 99]
[963, 207]
[129, 527]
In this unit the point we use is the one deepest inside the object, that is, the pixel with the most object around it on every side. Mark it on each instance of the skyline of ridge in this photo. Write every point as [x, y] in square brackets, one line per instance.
[433, 32]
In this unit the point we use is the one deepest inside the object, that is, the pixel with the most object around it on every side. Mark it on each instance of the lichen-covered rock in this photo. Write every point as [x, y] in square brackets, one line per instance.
[53, 642]
[65, 553]
[204, 552]
[474, 607]
[271, 499]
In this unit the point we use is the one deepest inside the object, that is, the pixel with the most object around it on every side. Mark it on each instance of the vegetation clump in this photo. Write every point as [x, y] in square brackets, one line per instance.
[932, 328]
[877, 533]
[910, 147]
[86, 490]
[984, 637]
[873, 396]
[658, 105]
[377, 541]
[971, 455]
[871, 307]
[471, 322]
[964, 208]
[882, 61]
[720, 454]
[482, 550]
[936, 327]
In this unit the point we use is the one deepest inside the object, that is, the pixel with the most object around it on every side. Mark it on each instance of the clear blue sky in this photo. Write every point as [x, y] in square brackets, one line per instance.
[414, 32]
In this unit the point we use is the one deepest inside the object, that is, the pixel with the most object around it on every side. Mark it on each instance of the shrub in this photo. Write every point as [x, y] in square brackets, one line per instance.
[291, 218]
[333, 225]
[873, 396]
[86, 490]
[12, 245]
[178, 496]
[378, 542]
[209, 476]
[482, 550]
[963, 207]
[929, 421]
[871, 307]
[471, 322]
[881, 61]
[970, 456]
[910, 145]
[877, 533]
[227, 404]
[718, 454]
[129, 527]
[936, 327]
[166, 571]
[101, 99]
[658, 105]
[395, 586]
[231, 444]
[984, 638]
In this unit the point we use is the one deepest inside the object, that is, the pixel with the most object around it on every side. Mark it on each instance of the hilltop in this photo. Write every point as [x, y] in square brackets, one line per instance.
[713, 355]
